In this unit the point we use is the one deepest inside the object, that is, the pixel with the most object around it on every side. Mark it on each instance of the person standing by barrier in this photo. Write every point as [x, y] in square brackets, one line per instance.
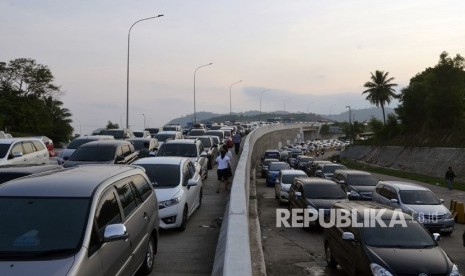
[450, 175]
[223, 170]
[237, 142]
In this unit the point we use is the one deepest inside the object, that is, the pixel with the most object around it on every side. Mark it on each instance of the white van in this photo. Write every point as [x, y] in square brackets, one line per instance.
[17, 151]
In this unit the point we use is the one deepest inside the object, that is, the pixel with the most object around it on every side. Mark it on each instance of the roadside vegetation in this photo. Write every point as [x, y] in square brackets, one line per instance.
[437, 181]
[29, 101]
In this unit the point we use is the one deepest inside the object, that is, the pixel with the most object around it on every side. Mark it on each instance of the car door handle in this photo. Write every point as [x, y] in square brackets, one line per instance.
[146, 217]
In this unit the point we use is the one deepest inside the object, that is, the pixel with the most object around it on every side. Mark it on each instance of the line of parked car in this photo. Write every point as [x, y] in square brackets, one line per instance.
[99, 209]
[321, 187]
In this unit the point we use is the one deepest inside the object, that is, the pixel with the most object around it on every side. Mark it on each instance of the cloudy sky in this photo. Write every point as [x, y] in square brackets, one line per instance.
[313, 55]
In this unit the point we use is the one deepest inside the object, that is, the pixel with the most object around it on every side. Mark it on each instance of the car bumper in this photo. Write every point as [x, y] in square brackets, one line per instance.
[171, 217]
[441, 226]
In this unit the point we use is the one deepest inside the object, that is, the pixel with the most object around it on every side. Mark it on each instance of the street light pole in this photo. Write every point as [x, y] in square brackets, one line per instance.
[127, 69]
[284, 102]
[195, 71]
[230, 101]
[144, 119]
[350, 123]
[261, 94]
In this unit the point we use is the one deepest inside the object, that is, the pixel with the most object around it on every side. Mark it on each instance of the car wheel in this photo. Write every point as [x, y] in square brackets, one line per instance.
[200, 197]
[184, 219]
[147, 266]
[329, 257]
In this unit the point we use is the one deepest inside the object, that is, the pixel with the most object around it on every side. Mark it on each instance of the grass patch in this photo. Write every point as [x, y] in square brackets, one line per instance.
[402, 174]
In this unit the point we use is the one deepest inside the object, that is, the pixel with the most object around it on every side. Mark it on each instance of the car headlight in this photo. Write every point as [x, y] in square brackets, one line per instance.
[455, 271]
[448, 215]
[169, 202]
[378, 270]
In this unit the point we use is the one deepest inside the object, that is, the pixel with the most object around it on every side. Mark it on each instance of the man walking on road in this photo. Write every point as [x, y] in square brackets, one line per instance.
[450, 175]
[237, 142]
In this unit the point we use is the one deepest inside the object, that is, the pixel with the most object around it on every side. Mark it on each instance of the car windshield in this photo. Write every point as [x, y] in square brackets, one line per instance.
[4, 149]
[332, 167]
[162, 137]
[216, 133]
[289, 178]
[162, 175]
[177, 149]
[93, 154]
[397, 236]
[138, 144]
[418, 197]
[118, 134]
[362, 180]
[205, 141]
[278, 166]
[195, 132]
[139, 134]
[324, 191]
[306, 159]
[77, 142]
[41, 226]
[4, 177]
[267, 162]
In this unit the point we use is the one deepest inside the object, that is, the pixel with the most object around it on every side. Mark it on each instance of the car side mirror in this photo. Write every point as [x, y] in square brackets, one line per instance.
[115, 232]
[436, 236]
[394, 200]
[16, 154]
[66, 158]
[191, 182]
[203, 154]
[348, 236]
[441, 200]
[298, 194]
[119, 159]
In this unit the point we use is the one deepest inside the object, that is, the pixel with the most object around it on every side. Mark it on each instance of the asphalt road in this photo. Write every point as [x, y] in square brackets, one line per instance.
[192, 252]
[295, 251]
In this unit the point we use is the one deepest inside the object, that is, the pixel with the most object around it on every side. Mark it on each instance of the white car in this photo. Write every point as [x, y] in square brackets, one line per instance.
[283, 183]
[18, 151]
[178, 186]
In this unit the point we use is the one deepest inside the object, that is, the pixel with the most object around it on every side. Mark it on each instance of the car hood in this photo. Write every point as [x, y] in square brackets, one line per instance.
[66, 153]
[432, 261]
[428, 209]
[363, 188]
[68, 163]
[167, 193]
[55, 267]
[323, 203]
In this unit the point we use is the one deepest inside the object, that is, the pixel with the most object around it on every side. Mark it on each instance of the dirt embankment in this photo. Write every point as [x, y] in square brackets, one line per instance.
[422, 160]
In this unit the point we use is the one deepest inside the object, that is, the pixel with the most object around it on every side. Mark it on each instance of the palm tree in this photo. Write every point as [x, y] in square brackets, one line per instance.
[380, 90]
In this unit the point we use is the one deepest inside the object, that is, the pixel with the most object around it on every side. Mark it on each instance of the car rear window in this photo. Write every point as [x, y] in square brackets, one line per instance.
[362, 180]
[162, 175]
[4, 149]
[178, 149]
[40, 227]
[93, 154]
[77, 142]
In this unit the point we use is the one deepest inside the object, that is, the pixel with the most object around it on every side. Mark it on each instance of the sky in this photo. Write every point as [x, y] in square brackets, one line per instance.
[313, 55]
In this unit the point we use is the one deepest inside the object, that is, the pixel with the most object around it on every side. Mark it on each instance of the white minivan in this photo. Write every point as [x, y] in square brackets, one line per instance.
[18, 151]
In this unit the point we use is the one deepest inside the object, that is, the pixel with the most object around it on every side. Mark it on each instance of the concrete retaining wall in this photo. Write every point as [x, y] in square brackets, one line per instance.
[233, 251]
[427, 161]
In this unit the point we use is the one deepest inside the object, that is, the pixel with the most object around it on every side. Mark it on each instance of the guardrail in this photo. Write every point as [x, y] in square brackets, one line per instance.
[233, 251]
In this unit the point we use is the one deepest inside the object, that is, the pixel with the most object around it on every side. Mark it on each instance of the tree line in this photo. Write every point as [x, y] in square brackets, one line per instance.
[431, 110]
[30, 101]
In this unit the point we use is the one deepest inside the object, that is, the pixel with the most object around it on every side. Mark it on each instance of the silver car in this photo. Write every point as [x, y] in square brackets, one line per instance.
[420, 202]
[85, 220]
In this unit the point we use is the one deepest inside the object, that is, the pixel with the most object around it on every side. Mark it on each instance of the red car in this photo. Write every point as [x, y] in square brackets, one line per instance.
[49, 144]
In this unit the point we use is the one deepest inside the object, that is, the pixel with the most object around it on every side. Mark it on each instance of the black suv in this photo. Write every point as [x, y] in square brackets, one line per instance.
[374, 245]
[103, 152]
[360, 185]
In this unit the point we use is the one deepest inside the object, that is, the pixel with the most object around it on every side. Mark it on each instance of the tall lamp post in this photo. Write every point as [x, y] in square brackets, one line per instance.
[195, 71]
[144, 119]
[350, 123]
[284, 104]
[127, 74]
[230, 101]
[261, 94]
